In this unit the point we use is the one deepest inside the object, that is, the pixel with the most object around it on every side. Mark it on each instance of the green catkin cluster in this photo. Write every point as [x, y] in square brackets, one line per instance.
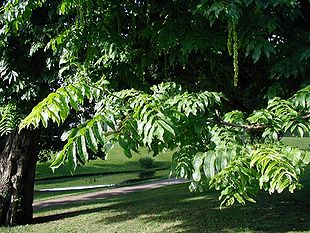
[232, 47]
[229, 39]
[235, 57]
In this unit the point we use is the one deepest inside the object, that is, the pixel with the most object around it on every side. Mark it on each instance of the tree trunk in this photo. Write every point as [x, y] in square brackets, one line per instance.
[17, 171]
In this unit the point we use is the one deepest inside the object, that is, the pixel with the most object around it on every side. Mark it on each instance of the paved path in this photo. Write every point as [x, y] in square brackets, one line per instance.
[104, 193]
[76, 188]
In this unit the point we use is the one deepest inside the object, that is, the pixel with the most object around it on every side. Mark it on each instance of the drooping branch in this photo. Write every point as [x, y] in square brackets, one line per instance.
[257, 127]
[249, 127]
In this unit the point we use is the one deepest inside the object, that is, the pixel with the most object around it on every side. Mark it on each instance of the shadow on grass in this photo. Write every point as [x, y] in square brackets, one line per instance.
[55, 217]
[198, 212]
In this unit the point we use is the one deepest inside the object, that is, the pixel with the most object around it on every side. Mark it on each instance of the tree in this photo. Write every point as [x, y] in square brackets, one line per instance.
[129, 59]
[28, 75]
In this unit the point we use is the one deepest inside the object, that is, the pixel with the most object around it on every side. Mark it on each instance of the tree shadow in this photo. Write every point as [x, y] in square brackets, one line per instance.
[199, 212]
[63, 215]
[202, 214]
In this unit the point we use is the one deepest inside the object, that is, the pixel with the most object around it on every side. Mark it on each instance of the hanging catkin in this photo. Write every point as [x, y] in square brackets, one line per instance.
[232, 47]
[235, 56]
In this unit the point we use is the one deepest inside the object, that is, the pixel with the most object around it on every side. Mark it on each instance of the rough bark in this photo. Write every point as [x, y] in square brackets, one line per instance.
[17, 170]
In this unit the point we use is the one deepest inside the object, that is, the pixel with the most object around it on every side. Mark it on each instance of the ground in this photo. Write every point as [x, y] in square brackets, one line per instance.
[172, 209]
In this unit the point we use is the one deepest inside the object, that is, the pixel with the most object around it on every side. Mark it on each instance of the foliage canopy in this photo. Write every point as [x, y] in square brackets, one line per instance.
[140, 70]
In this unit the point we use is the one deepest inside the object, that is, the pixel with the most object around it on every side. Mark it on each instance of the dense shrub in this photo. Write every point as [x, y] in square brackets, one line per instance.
[147, 162]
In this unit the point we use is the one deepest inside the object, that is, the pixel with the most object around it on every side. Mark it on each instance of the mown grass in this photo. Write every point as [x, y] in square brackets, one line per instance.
[115, 163]
[115, 170]
[117, 179]
[175, 209]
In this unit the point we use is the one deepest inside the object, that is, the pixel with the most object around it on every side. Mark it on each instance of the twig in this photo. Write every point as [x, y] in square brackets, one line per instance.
[306, 117]
[247, 127]
[257, 127]
[119, 127]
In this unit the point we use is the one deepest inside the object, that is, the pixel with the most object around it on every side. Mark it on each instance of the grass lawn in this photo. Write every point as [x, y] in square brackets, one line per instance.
[175, 209]
[115, 163]
[116, 169]
[95, 180]
[86, 181]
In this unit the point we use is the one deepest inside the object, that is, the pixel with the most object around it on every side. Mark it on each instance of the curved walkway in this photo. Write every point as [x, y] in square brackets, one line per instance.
[76, 188]
[104, 193]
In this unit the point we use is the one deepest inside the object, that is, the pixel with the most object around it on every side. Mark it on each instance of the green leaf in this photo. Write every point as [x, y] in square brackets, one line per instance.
[72, 160]
[98, 132]
[209, 165]
[54, 115]
[197, 162]
[166, 127]
[239, 198]
[149, 138]
[77, 93]
[123, 142]
[69, 134]
[44, 118]
[91, 140]
[59, 160]
[257, 52]
[300, 130]
[73, 98]
[81, 148]
[160, 133]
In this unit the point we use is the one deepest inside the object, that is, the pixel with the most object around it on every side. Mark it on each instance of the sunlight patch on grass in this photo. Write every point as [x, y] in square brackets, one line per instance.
[116, 162]
[196, 199]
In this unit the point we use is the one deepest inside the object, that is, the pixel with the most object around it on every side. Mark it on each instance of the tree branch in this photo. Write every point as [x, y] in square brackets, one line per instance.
[118, 129]
[306, 116]
[109, 133]
[247, 127]
[257, 127]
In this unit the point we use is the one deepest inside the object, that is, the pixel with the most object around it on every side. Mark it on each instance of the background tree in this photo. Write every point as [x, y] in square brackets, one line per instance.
[95, 51]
